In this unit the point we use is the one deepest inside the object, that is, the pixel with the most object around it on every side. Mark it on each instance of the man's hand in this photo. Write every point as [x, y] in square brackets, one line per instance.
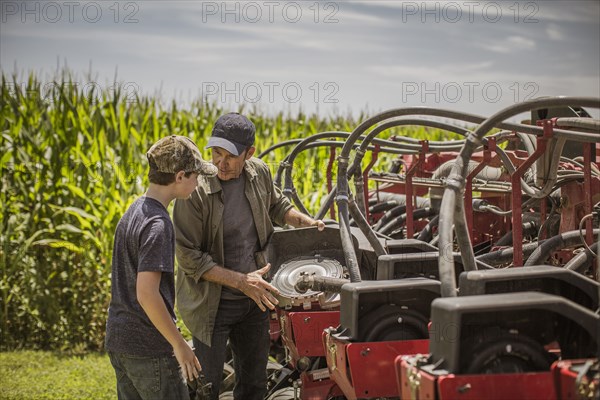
[190, 366]
[254, 286]
[319, 224]
[296, 219]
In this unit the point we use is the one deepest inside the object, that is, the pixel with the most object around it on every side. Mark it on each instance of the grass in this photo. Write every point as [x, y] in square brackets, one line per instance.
[51, 375]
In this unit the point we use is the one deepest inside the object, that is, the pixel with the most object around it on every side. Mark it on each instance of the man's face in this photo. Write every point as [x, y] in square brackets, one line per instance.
[230, 166]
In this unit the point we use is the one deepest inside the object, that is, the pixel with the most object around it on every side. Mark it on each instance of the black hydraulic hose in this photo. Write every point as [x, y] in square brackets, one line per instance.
[389, 216]
[278, 145]
[590, 124]
[464, 242]
[401, 220]
[392, 200]
[388, 145]
[343, 164]
[583, 259]
[346, 239]
[382, 207]
[342, 185]
[289, 160]
[326, 204]
[455, 183]
[440, 145]
[362, 223]
[426, 233]
[528, 228]
[355, 168]
[506, 255]
[319, 284]
[301, 144]
[296, 199]
[285, 167]
[290, 191]
[545, 250]
[431, 124]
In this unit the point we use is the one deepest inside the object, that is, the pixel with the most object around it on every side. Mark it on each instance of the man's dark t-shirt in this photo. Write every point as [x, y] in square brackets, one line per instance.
[144, 241]
[240, 238]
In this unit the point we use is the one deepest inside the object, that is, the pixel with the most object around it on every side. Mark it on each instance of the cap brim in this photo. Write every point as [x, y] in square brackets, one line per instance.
[234, 148]
[208, 169]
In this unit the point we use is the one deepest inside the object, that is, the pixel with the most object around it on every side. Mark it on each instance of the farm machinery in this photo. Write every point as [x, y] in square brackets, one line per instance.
[467, 270]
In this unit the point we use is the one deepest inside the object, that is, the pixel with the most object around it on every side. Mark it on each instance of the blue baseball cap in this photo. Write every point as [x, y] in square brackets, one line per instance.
[232, 132]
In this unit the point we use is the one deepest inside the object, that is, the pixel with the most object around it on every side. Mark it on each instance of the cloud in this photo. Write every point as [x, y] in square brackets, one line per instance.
[512, 44]
[554, 32]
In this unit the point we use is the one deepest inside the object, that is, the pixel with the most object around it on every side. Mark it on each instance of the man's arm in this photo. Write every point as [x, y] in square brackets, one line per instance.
[297, 219]
[188, 220]
[148, 295]
[252, 284]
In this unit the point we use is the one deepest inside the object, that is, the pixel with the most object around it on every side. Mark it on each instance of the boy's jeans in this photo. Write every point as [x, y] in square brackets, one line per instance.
[145, 378]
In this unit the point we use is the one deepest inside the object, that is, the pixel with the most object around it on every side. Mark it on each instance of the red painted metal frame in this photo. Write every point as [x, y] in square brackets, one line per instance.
[487, 157]
[307, 330]
[301, 332]
[565, 378]
[409, 188]
[424, 386]
[318, 389]
[330, 179]
[587, 186]
[366, 369]
[274, 327]
[517, 217]
[374, 155]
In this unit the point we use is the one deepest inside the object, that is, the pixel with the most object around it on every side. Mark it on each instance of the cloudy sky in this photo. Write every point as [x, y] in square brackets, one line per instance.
[324, 56]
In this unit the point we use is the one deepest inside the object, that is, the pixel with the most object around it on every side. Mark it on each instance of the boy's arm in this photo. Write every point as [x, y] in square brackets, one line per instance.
[148, 295]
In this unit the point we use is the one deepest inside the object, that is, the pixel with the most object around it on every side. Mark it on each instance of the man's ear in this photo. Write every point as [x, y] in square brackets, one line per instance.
[250, 152]
[179, 176]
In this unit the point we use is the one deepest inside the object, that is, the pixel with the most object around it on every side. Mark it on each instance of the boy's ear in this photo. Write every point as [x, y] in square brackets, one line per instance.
[179, 176]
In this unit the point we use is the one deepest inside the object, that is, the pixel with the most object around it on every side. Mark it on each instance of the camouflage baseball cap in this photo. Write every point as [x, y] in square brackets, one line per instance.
[174, 153]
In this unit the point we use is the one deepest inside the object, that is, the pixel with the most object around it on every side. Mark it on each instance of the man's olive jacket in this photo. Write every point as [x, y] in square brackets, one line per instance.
[199, 240]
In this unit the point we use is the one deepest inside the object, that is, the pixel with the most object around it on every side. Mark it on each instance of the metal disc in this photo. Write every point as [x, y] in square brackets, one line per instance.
[288, 274]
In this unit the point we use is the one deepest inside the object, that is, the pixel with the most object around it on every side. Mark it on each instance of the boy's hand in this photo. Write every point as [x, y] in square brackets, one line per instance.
[189, 364]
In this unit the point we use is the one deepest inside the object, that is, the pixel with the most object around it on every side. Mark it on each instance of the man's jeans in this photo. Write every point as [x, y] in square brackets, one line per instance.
[247, 328]
[148, 378]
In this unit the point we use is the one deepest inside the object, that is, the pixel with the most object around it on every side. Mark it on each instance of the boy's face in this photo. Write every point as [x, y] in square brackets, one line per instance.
[230, 166]
[187, 185]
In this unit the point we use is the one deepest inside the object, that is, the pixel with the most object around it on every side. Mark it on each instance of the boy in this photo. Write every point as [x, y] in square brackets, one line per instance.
[150, 357]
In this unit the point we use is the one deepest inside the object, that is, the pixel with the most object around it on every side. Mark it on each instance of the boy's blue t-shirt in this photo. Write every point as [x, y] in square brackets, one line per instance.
[144, 241]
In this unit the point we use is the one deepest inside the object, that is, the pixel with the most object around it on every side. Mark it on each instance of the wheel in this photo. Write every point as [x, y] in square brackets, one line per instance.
[228, 378]
[226, 395]
[391, 322]
[506, 354]
[287, 393]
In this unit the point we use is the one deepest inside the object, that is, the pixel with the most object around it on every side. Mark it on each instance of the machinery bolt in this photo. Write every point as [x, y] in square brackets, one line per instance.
[464, 388]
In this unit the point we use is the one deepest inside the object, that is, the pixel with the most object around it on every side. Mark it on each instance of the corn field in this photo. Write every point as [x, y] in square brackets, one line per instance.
[72, 161]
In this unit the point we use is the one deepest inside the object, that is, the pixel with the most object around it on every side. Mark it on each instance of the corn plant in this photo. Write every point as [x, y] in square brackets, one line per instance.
[72, 162]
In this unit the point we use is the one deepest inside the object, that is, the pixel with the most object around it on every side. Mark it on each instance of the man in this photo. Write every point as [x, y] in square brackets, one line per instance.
[149, 355]
[221, 292]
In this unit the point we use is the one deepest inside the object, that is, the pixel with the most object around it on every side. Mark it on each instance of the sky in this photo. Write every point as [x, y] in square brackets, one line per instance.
[329, 57]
